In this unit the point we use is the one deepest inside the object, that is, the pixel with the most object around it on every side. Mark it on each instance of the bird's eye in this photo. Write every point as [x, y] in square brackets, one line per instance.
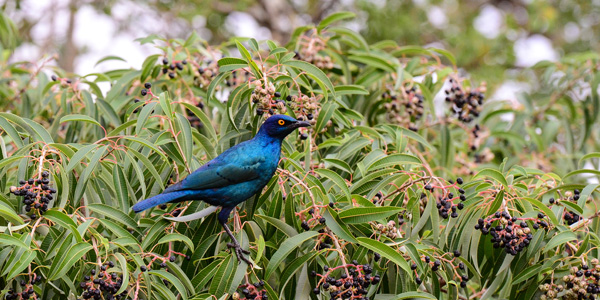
[281, 122]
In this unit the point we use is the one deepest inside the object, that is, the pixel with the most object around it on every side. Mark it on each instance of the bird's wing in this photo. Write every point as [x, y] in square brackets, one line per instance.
[220, 174]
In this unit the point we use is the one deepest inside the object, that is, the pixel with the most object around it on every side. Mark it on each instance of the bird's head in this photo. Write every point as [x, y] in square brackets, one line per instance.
[279, 126]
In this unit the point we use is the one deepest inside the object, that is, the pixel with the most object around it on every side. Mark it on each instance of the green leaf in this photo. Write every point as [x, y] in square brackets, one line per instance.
[394, 159]
[82, 118]
[176, 237]
[285, 249]
[147, 66]
[337, 16]
[220, 282]
[572, 206]
[115, 214]
[231, 61]
[336, 179]
[351, 90]
[491, 173]
[144, 116]
[24, 260]
[314, 73]
[107, 58]
[415, 296]
[11, 240]
[255, 70]
[357, 215]
[79, 156]
[123, 263]
[10, 215]
[544, 209]
[335, 224]
[165, 104]
[373, 61]
[588, 156]
[526, 274]
[281, 225]
[385, 251]
[172, 279]
[559, 239]
[147, 144]
[76, 252]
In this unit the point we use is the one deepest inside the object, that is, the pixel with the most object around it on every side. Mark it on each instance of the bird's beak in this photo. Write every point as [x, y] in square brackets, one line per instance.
[299, 124]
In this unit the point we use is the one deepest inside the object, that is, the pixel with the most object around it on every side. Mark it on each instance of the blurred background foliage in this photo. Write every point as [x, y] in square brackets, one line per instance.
[492, 39]
[400, 112]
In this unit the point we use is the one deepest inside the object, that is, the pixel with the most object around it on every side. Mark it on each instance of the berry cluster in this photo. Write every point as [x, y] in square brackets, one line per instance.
[206, 73]
[163, 259]
[63, 81]
[389, 230]
[171, 67]
[252, 291]
[147, 90]
[466, 102]
[581, 283]
[405, 107]
[36, 194]
[436, 264]
[485, 156]
[306, 107]
[310, 44]
[314, 218]
[104, 285]
[351, 285]
[267, 99]
[26, 287]
[192, 118]
[235, 80]
[445, 204]
[511, 233]
[569, 216]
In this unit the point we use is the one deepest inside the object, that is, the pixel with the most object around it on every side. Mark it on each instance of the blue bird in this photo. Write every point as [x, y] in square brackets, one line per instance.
[234, 176]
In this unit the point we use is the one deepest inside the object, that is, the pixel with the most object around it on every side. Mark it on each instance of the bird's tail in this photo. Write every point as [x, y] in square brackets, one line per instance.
[160, 199]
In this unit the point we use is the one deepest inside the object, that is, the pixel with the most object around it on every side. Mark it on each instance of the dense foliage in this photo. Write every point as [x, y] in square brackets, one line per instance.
[391, 194]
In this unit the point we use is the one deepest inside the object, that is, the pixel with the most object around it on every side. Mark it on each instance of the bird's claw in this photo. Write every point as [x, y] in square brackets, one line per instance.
[239, 252]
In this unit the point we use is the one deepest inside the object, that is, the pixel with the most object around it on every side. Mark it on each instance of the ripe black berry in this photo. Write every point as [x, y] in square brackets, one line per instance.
[459, 180]
[303, 136]
[144, 92]
[165, 61]
[148, 85]
[54, 78]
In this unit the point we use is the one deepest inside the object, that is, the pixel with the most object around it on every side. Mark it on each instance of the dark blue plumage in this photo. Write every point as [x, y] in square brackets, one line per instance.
[235, 175]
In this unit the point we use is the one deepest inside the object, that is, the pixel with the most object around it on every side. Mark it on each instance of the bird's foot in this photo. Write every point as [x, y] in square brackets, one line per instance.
[239, 252]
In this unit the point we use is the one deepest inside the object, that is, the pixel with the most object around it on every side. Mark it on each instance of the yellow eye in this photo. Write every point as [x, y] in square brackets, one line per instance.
[281, 122]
